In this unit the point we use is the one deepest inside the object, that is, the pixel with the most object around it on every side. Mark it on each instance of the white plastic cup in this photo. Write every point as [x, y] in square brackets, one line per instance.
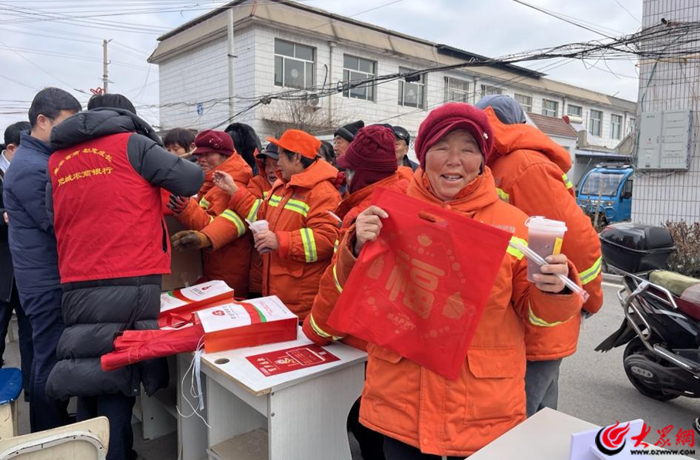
[259, 226]
[545, 237]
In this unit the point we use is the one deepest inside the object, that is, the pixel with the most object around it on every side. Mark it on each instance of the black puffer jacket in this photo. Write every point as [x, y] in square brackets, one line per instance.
[94, 312]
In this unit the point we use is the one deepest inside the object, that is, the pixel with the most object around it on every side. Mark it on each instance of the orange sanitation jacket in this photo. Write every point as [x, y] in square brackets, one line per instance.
[414, 405]
[529, 169]
[229, 262]
[298, 212]
[260, 187]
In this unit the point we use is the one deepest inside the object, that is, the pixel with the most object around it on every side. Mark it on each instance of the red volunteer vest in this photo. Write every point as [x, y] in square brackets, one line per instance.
[107, 218]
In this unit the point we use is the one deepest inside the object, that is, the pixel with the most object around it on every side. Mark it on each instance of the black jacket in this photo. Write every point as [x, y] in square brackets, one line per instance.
[7, 273]
[95, 312]
[31, 235]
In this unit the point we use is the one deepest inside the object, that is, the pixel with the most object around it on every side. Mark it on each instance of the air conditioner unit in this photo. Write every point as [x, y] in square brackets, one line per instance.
[312, 100]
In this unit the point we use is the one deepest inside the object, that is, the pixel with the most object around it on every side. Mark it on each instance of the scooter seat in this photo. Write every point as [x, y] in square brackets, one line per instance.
[688, 308]
[674, 282]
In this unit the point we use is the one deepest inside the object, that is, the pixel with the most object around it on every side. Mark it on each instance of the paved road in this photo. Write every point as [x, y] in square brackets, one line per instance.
[594, 387]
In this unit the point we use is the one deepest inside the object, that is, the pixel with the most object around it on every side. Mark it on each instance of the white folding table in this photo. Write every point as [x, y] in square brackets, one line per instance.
[544, 436]
[299, 415]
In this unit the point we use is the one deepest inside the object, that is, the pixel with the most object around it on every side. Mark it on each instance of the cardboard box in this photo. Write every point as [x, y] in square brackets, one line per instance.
[185, 267]
[247, 324]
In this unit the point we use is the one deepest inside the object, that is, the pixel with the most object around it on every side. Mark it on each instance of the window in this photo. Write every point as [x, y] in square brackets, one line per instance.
[631, 124]
[596, 123]
[456, 90]
[412, 94]
[574, 111]
[616, 121]
[524, 101]
[488, 90]
[294, 65]
[627, 188]
[359, 69]
[550, 108]
[610, 183]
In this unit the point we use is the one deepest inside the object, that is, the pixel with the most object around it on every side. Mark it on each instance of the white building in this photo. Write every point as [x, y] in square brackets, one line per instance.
[280, 45]
[666, 86]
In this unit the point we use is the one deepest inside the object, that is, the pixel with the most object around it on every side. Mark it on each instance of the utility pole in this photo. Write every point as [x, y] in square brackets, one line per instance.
[230, 57]
[105, 63]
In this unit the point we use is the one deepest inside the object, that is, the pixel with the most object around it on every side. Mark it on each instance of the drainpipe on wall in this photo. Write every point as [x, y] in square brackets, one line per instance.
[564, 103]
[476, 91]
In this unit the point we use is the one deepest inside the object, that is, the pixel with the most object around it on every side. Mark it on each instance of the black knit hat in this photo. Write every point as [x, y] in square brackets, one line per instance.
[348, 131]
[400, 133]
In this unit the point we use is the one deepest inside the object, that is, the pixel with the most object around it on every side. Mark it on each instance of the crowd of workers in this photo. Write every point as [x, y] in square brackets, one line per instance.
[85, 194]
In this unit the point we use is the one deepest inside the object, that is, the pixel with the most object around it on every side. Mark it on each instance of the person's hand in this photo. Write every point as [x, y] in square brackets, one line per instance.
[225, 182]
[6, 218]
[177, 204]
[189, 239]
[548, 281]
[266, 241]
[367, 226]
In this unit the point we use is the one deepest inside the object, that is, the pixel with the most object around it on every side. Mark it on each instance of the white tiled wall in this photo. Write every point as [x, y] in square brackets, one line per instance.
[662, 196]
[198, 76]
[201, 75]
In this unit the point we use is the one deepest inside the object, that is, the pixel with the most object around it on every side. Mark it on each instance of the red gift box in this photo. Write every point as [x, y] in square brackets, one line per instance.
[247, 324]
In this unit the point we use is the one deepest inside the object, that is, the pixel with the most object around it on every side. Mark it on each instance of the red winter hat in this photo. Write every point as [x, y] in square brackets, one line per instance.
[210, 141]
[371, 156]
[448, 117]
[371, 150]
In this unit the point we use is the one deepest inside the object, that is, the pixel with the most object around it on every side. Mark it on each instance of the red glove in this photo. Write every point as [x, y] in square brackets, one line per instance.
[178, 204]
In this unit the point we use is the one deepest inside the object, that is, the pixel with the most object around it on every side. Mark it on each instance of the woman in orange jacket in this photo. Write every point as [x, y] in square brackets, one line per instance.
[260, 186]
[530, 172]
[299, 243]
[230, 262]
[422, 414]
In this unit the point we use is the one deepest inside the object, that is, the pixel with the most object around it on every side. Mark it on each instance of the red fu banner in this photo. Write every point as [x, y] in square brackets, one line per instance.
[420, 289]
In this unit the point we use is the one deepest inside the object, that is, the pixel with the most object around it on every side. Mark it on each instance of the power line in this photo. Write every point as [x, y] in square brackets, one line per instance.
[628, 11]
[562, 18]
[37, 66]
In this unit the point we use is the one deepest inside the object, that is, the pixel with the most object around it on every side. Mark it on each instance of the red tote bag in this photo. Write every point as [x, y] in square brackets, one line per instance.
[421, 288]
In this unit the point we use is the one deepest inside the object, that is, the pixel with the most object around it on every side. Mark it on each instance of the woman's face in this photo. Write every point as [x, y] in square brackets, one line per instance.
[289, 167]
[452, 163]
[210, 160]
[271, 167]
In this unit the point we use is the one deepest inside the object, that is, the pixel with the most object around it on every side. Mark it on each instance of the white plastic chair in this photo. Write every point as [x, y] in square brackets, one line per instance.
[86, 440]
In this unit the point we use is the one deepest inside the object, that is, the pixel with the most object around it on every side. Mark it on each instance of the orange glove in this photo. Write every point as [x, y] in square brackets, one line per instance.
[190, 239]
